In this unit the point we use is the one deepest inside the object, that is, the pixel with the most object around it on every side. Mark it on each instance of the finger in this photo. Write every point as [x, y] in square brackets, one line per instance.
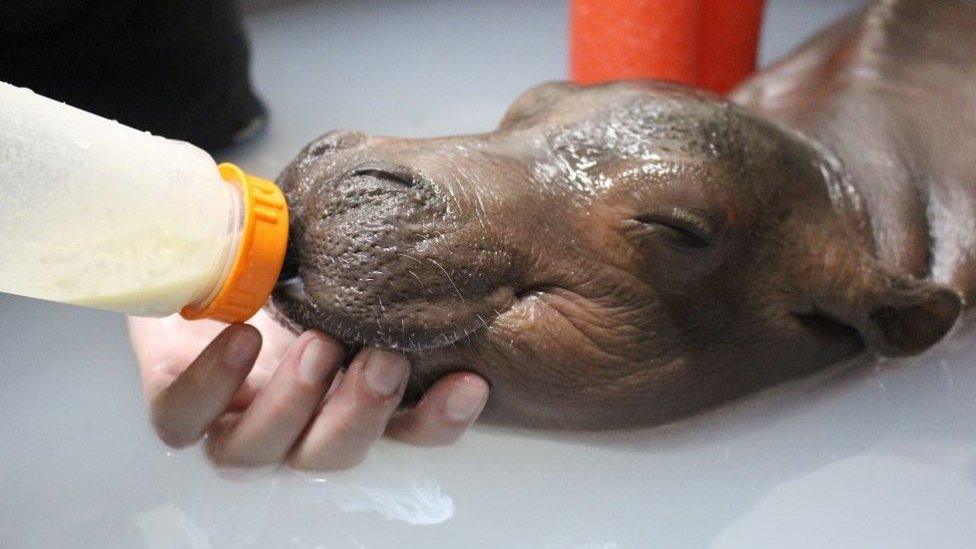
[275, 343]
[269, 427]
[444, 413]
[164, 347]
[356, 413]
[183, 411]
[249, 390]
[277, 339]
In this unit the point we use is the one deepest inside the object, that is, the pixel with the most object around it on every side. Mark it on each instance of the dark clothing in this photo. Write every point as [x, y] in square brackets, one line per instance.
[178, 68]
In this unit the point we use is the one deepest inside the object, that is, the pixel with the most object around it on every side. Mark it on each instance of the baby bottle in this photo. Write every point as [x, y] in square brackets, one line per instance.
[98, 214]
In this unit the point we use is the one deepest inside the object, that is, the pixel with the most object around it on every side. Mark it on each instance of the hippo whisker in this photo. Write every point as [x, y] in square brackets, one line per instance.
[423, 287]
[408, 256]
[449, 279]
[480, 212]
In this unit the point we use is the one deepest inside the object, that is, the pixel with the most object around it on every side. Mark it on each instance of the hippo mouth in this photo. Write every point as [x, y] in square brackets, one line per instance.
[291, 307]
[286, 303]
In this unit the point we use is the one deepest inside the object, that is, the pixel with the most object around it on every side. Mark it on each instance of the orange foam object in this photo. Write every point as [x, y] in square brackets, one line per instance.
[728, 42]
[617, 39]
[706, 43]
[260, 255]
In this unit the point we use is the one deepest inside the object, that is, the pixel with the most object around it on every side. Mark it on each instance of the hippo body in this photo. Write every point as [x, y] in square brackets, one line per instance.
[891, 93]
[629, 253]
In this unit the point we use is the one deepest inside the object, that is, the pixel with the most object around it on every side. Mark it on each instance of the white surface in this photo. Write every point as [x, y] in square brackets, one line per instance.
[99, 214]
[868, 456]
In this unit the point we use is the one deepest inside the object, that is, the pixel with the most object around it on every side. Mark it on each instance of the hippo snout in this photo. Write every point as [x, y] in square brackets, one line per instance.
[386, 194]
[380, 251]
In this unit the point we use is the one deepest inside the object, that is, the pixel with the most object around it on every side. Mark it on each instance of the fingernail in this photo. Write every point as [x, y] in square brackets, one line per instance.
[466, 401]
[241, 346]
[385, 371]
[315, 363]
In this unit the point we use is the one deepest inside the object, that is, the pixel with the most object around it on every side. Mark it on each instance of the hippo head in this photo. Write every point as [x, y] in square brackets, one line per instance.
[609, 256]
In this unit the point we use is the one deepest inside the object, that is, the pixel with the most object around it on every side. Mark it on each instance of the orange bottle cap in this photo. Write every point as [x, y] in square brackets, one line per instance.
[260, 255]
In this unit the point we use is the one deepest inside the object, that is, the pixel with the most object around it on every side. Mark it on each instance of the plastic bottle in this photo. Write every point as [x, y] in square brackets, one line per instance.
[98, 214]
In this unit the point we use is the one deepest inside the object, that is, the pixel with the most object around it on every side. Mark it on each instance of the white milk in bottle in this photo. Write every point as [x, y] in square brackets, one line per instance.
[98, 214]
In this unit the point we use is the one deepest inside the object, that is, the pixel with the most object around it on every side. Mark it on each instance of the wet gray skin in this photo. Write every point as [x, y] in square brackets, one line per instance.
[629, 253]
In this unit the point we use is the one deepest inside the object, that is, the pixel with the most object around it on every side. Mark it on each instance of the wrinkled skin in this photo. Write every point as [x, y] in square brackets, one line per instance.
[629, 253]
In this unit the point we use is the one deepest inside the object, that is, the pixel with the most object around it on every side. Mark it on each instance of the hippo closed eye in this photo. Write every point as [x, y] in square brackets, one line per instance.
[628, 253]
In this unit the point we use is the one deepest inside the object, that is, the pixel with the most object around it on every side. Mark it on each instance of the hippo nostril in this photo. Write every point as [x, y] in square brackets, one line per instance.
[404, 180]
[334, 141]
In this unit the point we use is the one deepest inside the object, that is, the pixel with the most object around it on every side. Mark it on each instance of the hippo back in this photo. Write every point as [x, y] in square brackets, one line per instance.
[890, 93]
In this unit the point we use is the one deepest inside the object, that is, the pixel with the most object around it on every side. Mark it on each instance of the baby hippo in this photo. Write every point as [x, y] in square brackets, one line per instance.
[630, 253]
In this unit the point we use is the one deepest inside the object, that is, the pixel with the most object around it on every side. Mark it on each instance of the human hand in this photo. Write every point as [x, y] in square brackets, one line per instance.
[286, 400]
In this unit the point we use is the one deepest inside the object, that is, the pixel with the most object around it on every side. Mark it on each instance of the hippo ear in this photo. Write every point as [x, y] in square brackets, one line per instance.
[896, 315]
[909, 318]
[534, 102]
